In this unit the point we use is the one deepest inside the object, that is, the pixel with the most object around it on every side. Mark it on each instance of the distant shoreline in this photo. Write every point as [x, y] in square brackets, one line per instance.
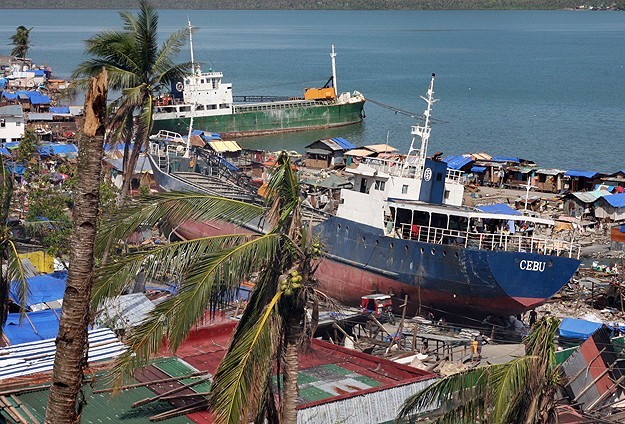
[320, 5]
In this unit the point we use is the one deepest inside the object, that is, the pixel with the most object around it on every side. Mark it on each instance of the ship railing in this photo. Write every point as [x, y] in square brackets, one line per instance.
[455, 176]
[518, 242]
[394, 167]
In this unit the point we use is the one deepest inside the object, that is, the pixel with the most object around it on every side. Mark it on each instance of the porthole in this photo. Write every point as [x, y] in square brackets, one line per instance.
[406, 247]
[550, 263]
[433, 251]
[391, 246]
[377, 242]
[444, 253]
[363, 239]
[456, 254]
[339, 226]
[422, 250]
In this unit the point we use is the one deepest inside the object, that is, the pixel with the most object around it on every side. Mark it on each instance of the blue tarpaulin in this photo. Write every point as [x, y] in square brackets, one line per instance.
[615, 200]
[42, 288]
[61, 109]
[457, 162]
[578, 173]
[57, 149]
[499, 208]
[5, 151]
[16, 169]
[505, 159]
[45, 323]
[343, 143]
[580, 329]
[478, 169]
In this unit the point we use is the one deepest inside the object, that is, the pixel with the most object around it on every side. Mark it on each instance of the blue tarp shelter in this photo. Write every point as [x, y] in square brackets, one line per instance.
[500, 208]
[42, 288]
[45, 323]
[346, 145]
[580, 329]
[57, 149]
[578, 173]
[615, 200]
[61, 109]
[5, 151]
[478, 169]
[457, 162]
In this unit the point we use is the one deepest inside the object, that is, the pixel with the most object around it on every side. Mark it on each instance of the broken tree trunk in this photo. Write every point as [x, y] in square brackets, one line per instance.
[71, 342]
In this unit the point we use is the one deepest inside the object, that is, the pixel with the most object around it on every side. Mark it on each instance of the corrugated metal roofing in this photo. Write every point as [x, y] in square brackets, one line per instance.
[578, 173]
[38, 357]
[549, 171]
[590, 196]
[615, 200]
[346, 145]
[220, 146]
[125, 311]
[318, 152]
[11, 110]
[499, 208]
[40, 116]
[457, 162]
[478, 169]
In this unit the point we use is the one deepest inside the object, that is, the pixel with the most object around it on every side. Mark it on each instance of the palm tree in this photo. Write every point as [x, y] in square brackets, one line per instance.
[8, 252]
[209, 269]
[521, 391]
[71, 342]
[21, 42]
[139, 68]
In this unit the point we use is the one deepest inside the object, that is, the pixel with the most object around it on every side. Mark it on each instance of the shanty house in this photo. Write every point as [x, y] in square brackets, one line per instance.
[11, 123]
[611, 206]
[327, 152]
[580, 180]
[582, 203]
[548, 180]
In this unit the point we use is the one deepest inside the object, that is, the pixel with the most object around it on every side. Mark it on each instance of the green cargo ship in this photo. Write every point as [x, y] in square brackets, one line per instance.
[202, 101]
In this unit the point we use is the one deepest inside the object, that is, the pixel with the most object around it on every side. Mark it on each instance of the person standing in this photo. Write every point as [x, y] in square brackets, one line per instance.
[533, 317]
[480, 341]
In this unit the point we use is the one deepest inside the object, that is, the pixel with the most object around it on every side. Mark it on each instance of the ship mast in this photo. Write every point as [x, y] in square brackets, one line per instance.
[333, 56]
[193, 67]
[423, 132]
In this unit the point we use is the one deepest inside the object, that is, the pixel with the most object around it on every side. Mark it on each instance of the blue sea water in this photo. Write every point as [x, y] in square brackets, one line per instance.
[542, 85]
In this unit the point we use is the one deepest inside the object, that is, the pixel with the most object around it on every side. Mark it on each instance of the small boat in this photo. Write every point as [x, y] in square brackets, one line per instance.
[204, 97]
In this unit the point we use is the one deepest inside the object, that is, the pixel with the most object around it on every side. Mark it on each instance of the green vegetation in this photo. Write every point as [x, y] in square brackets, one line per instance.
[21, 42]
[316, 5]
[520, 391]
[207, 272]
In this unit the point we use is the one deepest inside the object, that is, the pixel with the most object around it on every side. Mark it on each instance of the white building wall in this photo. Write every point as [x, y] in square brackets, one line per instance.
[11, 128]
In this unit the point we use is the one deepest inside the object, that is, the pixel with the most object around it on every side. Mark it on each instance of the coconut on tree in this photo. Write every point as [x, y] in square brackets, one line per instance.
[139, 67]
[209, 270]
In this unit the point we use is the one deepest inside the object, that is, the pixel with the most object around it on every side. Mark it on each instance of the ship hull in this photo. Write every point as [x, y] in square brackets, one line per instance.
[453, 280]
[269, 121]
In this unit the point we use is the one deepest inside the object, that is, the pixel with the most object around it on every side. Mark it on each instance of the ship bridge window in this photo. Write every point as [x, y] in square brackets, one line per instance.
[185, 108]
[379, 185]
[211, 107]
[188, 82]
[224, 106]
[202, 81]
[404, 189]
[200, 107]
